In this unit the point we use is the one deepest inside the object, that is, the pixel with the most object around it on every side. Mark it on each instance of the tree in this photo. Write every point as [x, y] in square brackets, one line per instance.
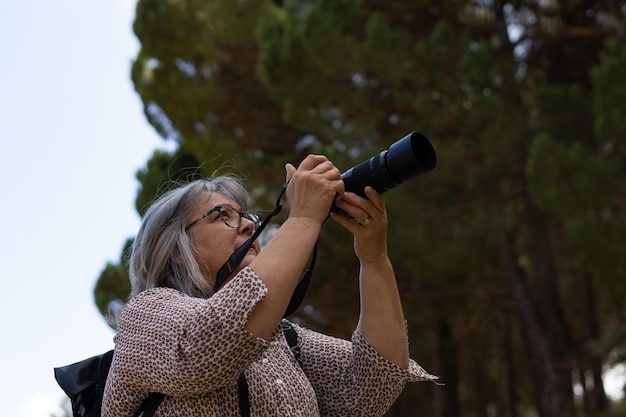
[508, 255]
[113, 287]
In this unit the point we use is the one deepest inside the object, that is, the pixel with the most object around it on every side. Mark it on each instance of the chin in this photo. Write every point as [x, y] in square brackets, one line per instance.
[247, 260]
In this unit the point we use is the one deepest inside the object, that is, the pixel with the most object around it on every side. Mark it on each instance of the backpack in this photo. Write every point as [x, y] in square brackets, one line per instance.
[83, 382]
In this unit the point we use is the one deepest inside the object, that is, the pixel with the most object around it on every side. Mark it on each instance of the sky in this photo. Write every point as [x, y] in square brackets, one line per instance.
[73, 134]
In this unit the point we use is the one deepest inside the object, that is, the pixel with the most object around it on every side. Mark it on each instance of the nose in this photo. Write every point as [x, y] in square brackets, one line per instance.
[246, 226]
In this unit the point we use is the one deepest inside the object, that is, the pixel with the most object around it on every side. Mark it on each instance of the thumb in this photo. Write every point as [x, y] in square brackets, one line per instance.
[290, 170]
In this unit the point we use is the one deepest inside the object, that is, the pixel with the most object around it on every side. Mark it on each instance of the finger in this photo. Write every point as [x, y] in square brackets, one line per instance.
[345, 221]
[375, 198]
[324, 166]
[373, 204]
[327, 170]
[340, 188]
[356, 213]
[358, 201]
[290, 170]
[312, 161]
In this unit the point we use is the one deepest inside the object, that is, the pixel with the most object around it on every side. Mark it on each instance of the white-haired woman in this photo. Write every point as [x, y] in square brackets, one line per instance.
[178, 337]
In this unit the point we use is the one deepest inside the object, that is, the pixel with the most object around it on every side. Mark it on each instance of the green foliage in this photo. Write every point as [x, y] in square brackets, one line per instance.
[609, 96]
[563, 111]
[306, 76]
[196, 70]
[525, 110]
[164, 170]
[113, 286]
[579, 185]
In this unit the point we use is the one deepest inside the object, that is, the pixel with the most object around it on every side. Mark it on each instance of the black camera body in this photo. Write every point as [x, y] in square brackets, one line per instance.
[410, 156]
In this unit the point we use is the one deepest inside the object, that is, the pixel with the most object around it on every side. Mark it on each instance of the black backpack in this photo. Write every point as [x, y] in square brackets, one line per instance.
[84, 381]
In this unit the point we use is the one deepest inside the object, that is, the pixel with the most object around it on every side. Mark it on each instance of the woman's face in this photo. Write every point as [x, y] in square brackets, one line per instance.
[214, 240]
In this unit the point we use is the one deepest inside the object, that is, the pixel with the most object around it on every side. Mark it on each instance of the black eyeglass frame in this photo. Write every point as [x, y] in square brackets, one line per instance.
[250, 215]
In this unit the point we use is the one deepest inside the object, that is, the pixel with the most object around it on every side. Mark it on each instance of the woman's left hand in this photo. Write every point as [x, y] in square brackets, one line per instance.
[381, 319]
[368, 223]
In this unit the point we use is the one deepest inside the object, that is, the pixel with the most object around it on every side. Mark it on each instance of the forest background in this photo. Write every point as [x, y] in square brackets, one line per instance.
[509, 256]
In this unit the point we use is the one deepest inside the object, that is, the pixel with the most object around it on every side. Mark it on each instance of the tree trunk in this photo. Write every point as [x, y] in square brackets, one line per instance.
[506, 394]
[549, 307]
[448, 399]
[594, 391]
[544, 365]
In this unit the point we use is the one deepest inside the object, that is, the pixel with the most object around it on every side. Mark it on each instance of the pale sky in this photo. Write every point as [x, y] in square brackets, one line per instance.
[73, 135]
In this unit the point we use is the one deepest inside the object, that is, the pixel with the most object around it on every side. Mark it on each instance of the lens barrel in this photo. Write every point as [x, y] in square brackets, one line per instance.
[410, 156]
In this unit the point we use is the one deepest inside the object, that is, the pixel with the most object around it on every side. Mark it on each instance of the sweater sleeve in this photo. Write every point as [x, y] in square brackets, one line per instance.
[179, 345]
[351, 378]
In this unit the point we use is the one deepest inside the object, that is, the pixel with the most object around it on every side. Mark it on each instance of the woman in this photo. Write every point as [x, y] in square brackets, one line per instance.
[179, 338]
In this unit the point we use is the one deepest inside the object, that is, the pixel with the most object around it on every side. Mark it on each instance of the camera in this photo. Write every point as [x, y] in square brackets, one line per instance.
[408, 157]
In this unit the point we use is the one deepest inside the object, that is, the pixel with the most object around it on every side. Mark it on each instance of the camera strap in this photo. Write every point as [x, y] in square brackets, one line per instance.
[236, 258]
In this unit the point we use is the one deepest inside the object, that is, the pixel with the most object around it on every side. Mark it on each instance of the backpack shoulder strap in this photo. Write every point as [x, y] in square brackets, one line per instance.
[292, 340]
[149, 406]
[243, 395]
[242, 384]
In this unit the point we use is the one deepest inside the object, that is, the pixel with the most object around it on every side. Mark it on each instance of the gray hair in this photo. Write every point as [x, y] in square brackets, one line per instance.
[163, 254]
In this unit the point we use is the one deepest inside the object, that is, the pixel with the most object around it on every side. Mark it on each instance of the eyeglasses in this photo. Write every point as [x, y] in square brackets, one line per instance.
[230, 216]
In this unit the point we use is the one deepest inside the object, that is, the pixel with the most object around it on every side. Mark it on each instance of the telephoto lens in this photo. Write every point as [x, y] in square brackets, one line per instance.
[410, 156]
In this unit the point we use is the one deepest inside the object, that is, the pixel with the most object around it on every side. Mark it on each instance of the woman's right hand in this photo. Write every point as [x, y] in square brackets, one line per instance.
[311, 191]
[312, 187]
